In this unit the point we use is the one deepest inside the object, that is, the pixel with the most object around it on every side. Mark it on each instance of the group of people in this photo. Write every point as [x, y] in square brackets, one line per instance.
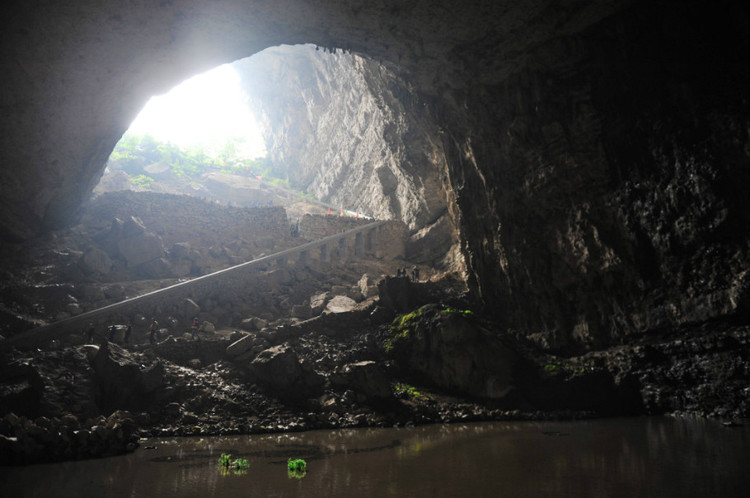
[402, 272]
[111, 331]
[153, 331]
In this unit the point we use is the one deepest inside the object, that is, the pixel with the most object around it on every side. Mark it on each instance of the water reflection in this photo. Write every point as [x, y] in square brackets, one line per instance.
[605, 458]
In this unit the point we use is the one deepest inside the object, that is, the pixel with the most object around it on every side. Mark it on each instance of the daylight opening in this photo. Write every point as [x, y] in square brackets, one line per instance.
[182, 139]
[209, 111]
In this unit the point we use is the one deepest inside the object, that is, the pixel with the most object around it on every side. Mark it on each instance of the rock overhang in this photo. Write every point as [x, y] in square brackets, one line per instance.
[77, 74]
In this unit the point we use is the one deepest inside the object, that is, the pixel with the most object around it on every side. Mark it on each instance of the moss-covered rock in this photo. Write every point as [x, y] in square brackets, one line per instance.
[452, 349]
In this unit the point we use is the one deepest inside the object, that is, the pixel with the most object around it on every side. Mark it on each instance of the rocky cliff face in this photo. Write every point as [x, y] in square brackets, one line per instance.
[602, 187]
[355, 134]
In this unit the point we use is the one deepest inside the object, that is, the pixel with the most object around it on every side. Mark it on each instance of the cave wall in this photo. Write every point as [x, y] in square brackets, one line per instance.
[354, 133]
[596, 152]
[603, 187]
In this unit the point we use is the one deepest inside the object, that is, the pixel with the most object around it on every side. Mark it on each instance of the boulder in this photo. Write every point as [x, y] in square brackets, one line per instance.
[242, 345]
[318, 303]
[302, 311]
[21, 389]
[455, 352]
[260, 344]
[279, 368]
[95, 261]
[180, 250]
[117, 375]
[152, 377]
[355, 293]
[140, 249]
[133, 227]
[368, 286]
[395, 294]
[366, 378]
[340, 304]
[137, 245]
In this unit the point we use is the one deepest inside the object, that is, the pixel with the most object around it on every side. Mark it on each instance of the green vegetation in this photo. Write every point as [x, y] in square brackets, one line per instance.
[296, 468]
[405, 324]
[239, 465]
[278, 182]
[134, 152]
[400, 329]
[448, 309]
[411, 392]
[225, 460]
[141, 181]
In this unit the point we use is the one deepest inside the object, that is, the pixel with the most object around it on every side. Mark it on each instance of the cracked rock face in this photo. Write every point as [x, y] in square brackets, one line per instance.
[354, 133]
[591, 158]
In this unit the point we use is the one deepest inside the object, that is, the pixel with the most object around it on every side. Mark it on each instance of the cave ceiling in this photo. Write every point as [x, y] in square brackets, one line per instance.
[77, 73]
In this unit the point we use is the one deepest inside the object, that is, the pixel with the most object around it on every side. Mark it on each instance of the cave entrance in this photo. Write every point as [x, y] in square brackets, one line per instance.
[344, 135]
[207, 136]
[187, 140]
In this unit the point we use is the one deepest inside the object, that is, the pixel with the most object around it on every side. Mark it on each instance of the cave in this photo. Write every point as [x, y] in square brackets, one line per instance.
[581, 166]
[591, 156]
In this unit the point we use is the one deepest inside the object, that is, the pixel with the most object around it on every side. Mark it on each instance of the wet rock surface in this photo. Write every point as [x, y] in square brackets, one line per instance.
[50, 439]
[342, 370]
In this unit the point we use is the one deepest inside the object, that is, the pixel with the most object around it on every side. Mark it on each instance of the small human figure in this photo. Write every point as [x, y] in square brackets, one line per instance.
[90, 332]
[195, 328]
[153, 328]
[112, 331]
[416, 274]
[127, 333]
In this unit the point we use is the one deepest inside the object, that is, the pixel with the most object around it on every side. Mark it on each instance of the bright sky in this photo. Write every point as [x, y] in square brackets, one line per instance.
[204, 110]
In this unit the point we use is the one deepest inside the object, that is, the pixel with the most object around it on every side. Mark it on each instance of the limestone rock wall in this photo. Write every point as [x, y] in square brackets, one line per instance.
[353, 132]
[602, 187]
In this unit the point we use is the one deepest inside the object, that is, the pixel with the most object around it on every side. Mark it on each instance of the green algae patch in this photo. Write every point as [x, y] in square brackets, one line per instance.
[402, 389]
[400, 329]
[456, 311]
[296, 469]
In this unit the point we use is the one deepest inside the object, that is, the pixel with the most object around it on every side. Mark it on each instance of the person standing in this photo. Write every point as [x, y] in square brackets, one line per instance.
[195, 328]
[127, 333]
[153, 328]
